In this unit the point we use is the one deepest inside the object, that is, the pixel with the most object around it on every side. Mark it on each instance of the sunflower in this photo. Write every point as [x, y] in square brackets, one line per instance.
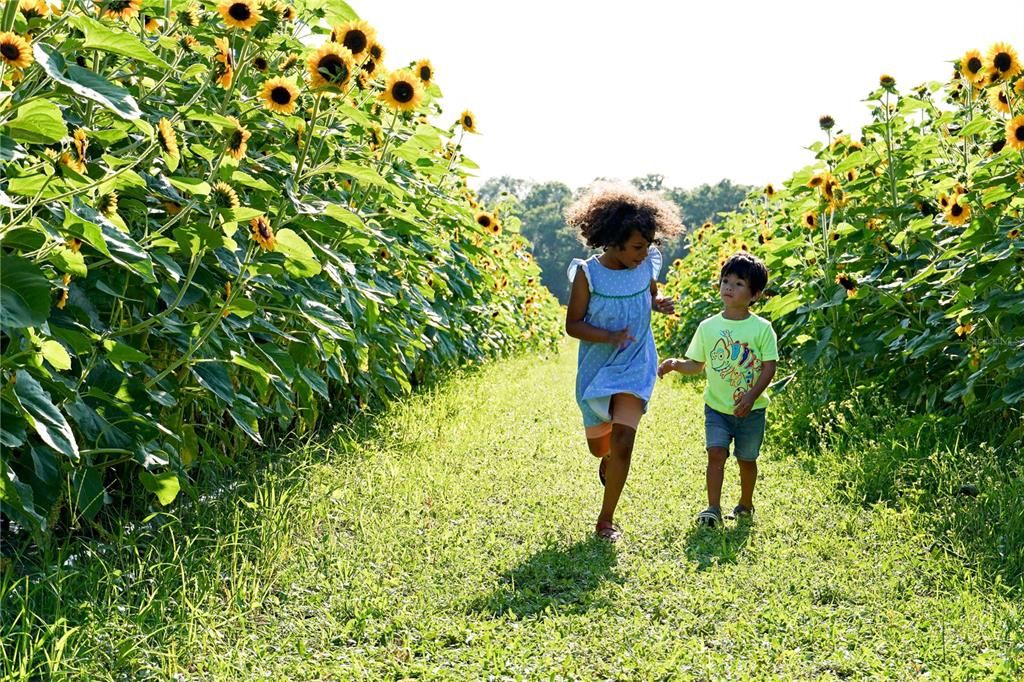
[887, 81]
[75, 244]
[1015, 132]
[847, 282]
[242, 14]
[944, 201]
[190, 16]
[370, 68]
[377, 52]
[851, 175]
[107, 204]
[121, 9]
[971, 65]
[238, 137]
[357, 36]
[172, 208]
[262, 232]
[424, 70]
[15, 51]
[957, 213]
[225, 195]
[259, 62]
[331, 66]
[1003, 61]
[826, 122]
[999, 101]
[287, 12]
[484, 219]
[468, 121]
[769, 191]
[280, 94]
[997, 146]
[1014, 233]
[403, 91]
[810, 220]
[34, 9]
[81, 142]
[817, 180]
[150, 23]
[707, 225]
[226, 70]
[62, 297]
[168, 139]
[855, 146]
[73, 163]
[963, 329]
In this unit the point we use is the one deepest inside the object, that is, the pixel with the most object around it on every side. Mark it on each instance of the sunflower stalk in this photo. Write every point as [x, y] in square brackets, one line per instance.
[891, 165]
[308, 141]
[447, 170]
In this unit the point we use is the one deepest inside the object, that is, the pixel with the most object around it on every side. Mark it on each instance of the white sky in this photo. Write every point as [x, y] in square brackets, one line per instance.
[571, 90]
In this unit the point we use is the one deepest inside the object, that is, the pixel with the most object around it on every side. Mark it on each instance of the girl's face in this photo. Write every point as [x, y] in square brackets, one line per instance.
[633, 252]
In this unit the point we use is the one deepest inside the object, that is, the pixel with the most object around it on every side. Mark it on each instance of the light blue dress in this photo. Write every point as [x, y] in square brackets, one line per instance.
[619, 299]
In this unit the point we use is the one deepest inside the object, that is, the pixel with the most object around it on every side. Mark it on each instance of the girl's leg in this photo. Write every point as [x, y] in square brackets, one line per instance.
[601, 445]
[622, 438]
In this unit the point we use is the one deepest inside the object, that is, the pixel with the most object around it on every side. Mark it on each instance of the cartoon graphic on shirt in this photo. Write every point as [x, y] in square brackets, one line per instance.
[736, 363]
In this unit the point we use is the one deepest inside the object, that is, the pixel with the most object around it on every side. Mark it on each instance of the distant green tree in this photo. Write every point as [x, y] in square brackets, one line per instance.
[491, 192]
[554, 243]
[652, 182]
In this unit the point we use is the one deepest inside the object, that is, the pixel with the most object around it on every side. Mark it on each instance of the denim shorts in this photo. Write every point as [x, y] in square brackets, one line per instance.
[722, 429]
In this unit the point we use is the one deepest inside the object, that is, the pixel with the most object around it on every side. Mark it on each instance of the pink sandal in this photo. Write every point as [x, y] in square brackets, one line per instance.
[606, 530]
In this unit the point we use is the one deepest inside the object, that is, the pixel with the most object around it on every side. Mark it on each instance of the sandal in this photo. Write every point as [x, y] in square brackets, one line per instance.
[606, 530]
[710, 517]
[740, 512]
[601, 468]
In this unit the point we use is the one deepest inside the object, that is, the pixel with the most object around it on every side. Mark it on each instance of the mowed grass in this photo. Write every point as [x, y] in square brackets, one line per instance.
[451, 538]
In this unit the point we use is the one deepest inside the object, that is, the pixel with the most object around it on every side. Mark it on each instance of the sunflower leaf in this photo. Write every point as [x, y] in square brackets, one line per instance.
[86, 83]
[101, 37]
[298, 257]
[38, 122]
[25, 292]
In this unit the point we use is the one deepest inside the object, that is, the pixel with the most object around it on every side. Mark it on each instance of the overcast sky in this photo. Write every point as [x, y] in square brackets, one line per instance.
[697, 91]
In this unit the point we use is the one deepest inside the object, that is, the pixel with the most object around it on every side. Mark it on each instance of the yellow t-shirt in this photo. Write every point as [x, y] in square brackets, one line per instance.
[732, 352]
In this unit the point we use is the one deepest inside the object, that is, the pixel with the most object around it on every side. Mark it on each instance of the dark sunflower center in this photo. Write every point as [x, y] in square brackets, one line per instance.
[376, 52]
[369, 66]
[260, 63]
[957, 210]
[333, 68]
[810, 220]
[402, 92]
[119, 5]
[467, 122]
[240, 11]
[236, 139]
[281, 95]
[425, 73]
[10, 51]
[1019, 133]
[1002, 98]
[355, 40]
[1002, 61]
[973, 65]
[264, 229]
[484, 221]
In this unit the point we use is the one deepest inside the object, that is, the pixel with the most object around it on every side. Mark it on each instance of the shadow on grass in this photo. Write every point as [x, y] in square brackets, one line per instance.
[708, 547]
[556, 577]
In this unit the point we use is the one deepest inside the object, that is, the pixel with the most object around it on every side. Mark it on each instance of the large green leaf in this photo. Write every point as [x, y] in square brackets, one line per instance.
[165, 486]
[85, 83]
[44, 416]
[89, 493]
[25, 293]
[93, 227]
[298, 257]
[102, 37]
[39, 121]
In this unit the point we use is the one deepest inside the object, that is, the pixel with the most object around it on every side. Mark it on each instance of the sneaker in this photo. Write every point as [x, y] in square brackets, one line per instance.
[710, 517]
[740, 512]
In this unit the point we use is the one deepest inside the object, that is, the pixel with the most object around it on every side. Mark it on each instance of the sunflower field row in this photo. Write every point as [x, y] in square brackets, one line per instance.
[897, 259]
[216, 222]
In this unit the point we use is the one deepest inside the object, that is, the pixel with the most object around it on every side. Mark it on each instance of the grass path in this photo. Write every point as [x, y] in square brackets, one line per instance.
[451, 539]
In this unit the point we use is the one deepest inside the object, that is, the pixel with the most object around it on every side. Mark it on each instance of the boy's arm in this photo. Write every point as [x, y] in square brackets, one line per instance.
[745, 403]
[681, 366]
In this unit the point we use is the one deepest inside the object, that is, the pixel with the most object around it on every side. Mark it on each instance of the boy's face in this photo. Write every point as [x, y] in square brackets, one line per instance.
[634, 251]
[735, 291]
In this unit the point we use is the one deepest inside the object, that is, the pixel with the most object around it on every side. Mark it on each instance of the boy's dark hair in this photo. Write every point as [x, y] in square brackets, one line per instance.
[606, 215]
[749, 267]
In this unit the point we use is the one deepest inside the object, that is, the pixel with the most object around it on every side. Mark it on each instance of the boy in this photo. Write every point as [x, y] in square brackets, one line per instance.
[738, 350]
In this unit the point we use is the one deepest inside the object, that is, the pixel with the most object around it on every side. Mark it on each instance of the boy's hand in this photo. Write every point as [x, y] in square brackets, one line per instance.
[743, 405]
[666, 367]
[663, 304]
[620, 339]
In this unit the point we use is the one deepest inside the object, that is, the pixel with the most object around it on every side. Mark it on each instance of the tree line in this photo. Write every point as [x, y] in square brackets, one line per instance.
[540, 206]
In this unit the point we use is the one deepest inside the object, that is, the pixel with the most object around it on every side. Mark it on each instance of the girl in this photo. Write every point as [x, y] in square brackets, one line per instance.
[613, 294]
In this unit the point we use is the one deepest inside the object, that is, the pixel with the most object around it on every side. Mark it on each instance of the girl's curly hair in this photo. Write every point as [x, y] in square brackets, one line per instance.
[607, 214]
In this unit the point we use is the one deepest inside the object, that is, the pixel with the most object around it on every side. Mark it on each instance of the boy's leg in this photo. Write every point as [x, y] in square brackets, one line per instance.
[748, 478]
[716, 474]
[622, 438]
[749, 436]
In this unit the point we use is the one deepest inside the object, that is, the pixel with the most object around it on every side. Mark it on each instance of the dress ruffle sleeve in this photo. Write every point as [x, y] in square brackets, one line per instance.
[575, 265]
[656, 260]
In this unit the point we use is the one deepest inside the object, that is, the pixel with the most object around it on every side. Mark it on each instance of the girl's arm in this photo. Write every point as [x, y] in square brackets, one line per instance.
[661, 304]
[575, 327]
